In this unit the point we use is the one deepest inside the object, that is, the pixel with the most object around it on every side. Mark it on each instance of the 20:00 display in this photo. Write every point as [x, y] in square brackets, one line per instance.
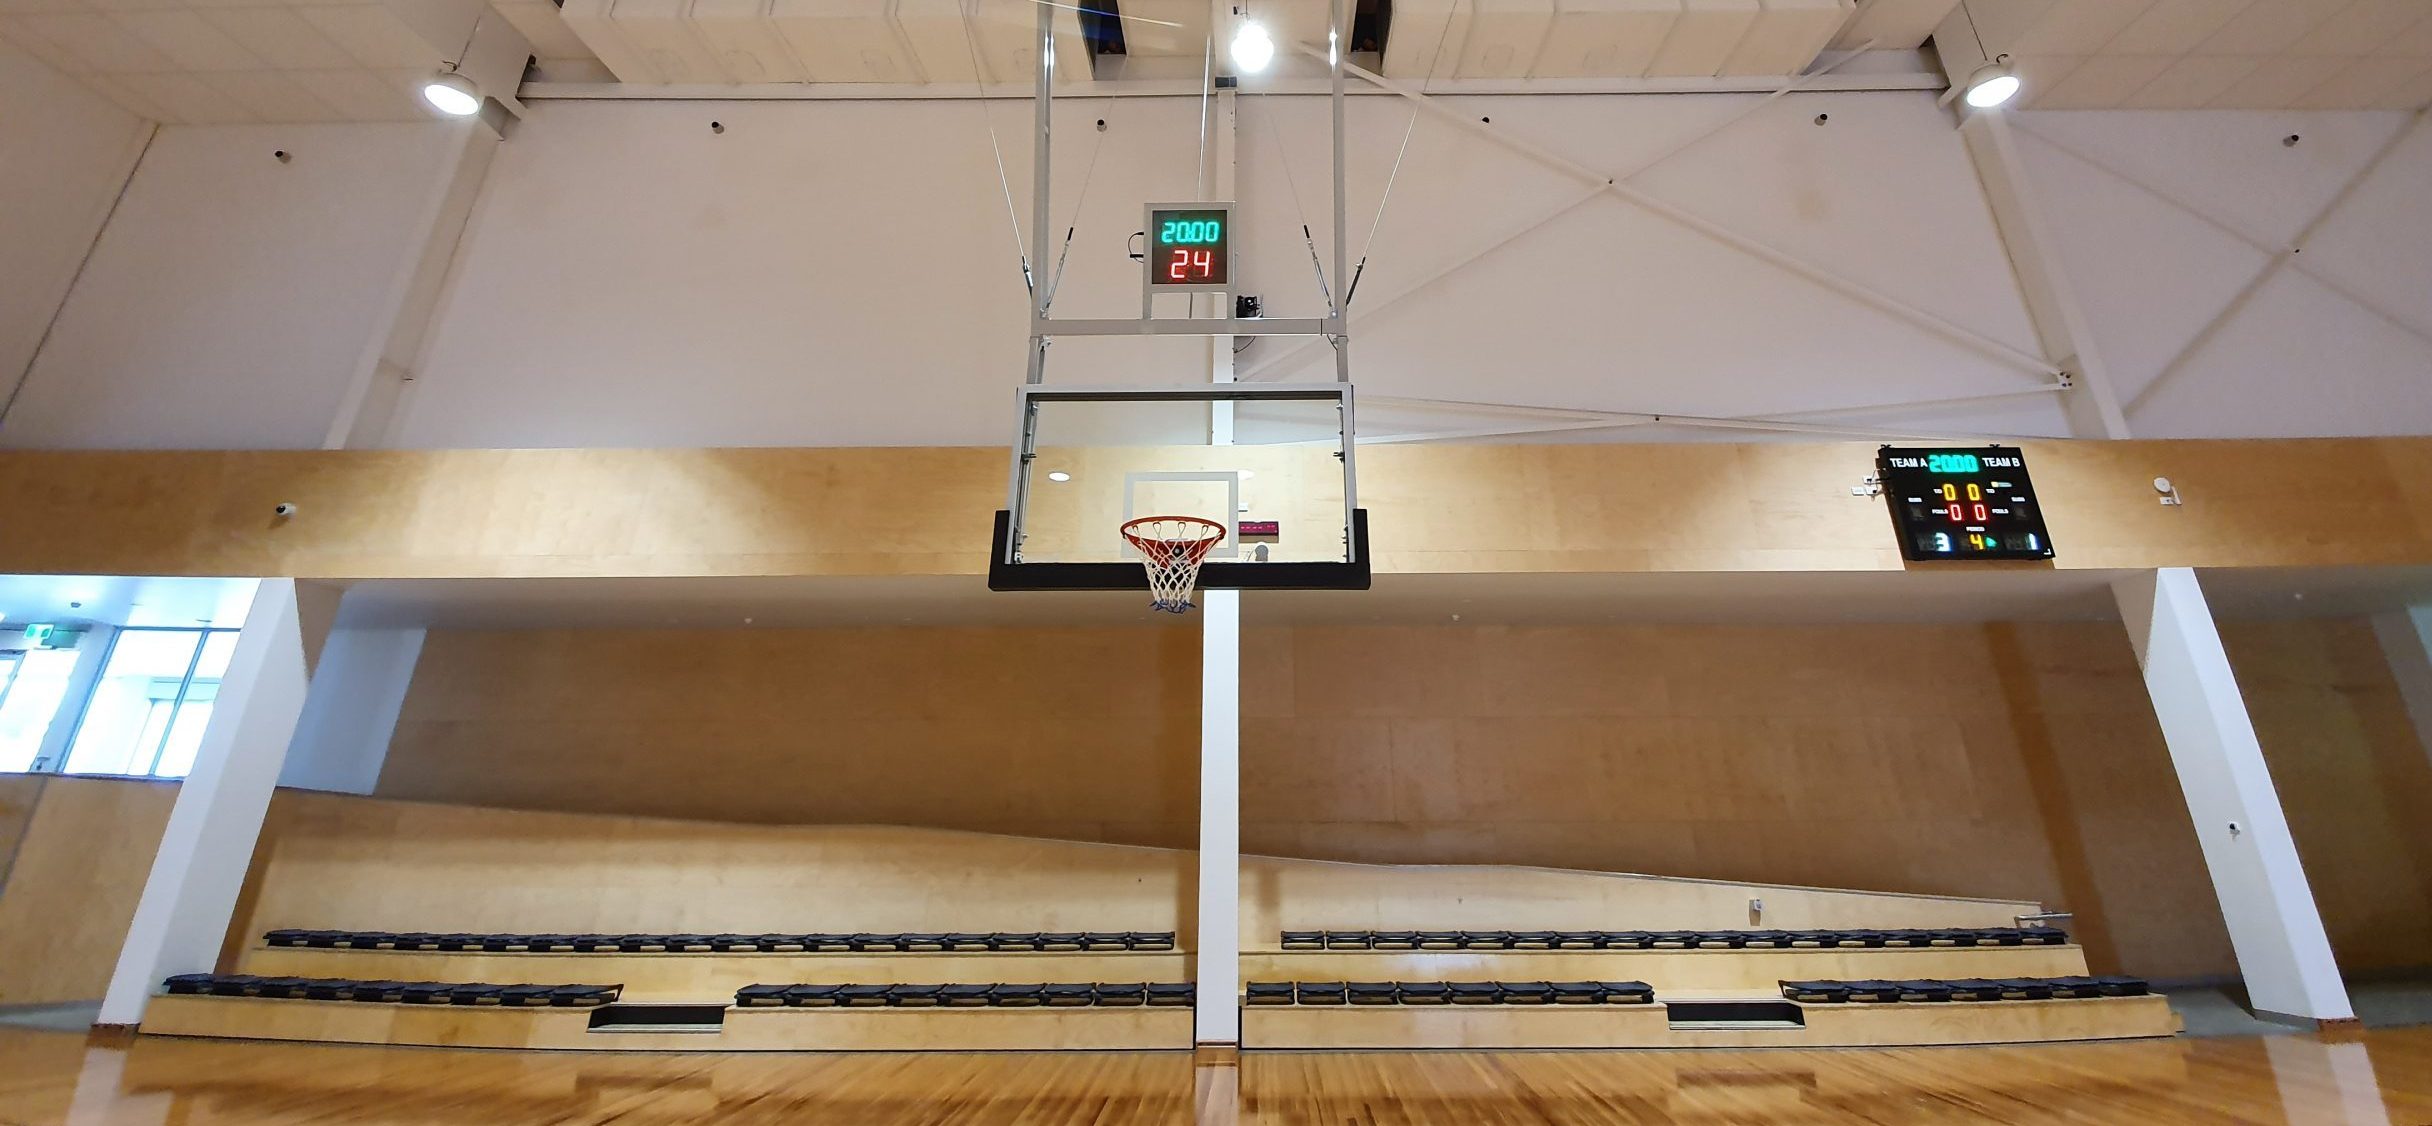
[1190, 232]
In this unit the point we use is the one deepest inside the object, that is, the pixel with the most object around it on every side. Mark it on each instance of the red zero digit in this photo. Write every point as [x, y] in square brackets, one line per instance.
[1957, 515]
[1203, 263]
[1174, 270]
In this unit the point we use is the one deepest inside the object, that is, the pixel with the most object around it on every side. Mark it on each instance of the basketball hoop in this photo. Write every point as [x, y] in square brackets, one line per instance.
[1171, 548]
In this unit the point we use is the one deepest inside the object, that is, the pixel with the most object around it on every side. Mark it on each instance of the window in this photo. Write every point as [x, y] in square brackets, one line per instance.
[147, 711]
[37, 680]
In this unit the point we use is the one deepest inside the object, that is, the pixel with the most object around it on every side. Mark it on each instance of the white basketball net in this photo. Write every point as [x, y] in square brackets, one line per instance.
[1171, 548]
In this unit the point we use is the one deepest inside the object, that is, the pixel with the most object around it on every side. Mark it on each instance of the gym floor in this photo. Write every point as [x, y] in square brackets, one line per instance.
[2381, 1076]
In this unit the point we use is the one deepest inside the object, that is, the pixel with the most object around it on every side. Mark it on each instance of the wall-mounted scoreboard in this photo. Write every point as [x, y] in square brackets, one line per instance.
[1963, 503]
[1190, 248]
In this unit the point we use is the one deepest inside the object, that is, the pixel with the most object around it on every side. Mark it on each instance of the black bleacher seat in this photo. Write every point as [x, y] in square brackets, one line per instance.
[913, 996]
[1121, 993]
[476, 993]
[1349, 940]
[1060, 940]
[504, 943]
[1816, 992]
[1873, 992]
[381, 992]
[190, 985]
[779, 943]
[957, 941]
[1626, 940]
[1578, 940]
[641, 943]
[427, 993]
[366, 940]
[324, 940]
[1270, 993]
[551, 943]
[1720, 940]
[1422, 992]
[1996, 936]
[1532, 940]
[2121, 985]
[286, 937]
[861, 996]
[1486, 940]
[1627, 993]
[1318, 992]
[1149, 940]
[1473, 992]
[597, 943]
[876, 942]
[688, 944]
[329, 989]
[760, 996]
[1014, 941]
[734, 943]
[1674, 940]
[1924, 990]
[814, 996]
[1068, 994]
[283, 987]
[526, 995]
[963, 995]
[1437, 940]
[1524, 993]
[417, 940]
[1172, 993]
[584, 996]
[2043, 936]
[457, 942]
[1577, 992]
[827, 943]
[1393, 940]
[2024, 989]
[1370, 993]
[1016, 995]
[1106, 940]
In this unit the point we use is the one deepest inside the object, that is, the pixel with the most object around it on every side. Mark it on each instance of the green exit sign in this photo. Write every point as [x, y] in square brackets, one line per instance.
[48, 635]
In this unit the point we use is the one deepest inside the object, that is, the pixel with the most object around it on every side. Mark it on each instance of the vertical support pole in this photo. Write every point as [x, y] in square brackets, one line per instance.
[1043, 113]
[206, 848]
[350, 715]
[1337, 44]
[1218, 1017]
[2406, 642]
[2274, 925]
[2092, 403]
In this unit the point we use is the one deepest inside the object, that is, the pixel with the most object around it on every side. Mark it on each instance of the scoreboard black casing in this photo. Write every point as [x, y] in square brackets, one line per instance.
[1963, 503]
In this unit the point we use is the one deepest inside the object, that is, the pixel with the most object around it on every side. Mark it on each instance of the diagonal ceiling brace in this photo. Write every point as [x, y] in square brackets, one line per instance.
[1857, 291]
[2238, 305]
[1287, 356]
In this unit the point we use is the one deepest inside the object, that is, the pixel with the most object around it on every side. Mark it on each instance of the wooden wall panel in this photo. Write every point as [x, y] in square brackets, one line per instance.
[18, 793]
[344, 862]
[925, 511]
[79, 871]
[1076, 734]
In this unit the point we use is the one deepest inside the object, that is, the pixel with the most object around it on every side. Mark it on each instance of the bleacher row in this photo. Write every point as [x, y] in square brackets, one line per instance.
[1450, 993]
[1968, 989]
[394, 992]
[967, 995]
[1000, 941]
[1673, 940]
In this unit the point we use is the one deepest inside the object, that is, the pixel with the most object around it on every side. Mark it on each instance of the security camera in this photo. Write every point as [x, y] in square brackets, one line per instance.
[283, 509]
[2161, 485]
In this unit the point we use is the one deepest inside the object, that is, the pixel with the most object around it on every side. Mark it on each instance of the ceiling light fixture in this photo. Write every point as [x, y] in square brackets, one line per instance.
[1059, 476]
[449, 91]
[1252, 49]
[1993, 84]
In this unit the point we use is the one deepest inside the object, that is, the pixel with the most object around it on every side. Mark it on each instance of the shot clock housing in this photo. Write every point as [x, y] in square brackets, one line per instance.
[1963, 503]
[1189, 250]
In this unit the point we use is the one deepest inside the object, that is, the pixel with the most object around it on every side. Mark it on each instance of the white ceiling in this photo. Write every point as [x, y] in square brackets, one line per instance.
[2215, 54]
[119, 600]
[1965, 595]
[223, 62]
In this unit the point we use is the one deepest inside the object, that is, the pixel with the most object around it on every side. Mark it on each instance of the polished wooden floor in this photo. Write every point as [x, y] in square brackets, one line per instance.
[56, 1079]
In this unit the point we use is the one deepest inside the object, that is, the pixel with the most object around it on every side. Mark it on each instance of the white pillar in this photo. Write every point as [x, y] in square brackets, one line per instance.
[2274, 926]
[2406, 642]
[358, 688]
[1219, 945]
[208, 845]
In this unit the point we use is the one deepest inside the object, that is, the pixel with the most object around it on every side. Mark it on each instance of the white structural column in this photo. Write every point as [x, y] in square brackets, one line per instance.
[2092, 404]
[358, 689]
[2274, 926]
[2406, 642]
[208, 844]
[1219, 945]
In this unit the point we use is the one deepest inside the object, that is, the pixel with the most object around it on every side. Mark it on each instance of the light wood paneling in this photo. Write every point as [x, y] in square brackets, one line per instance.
[1645, 1026]
[902, 511]
[715, 977]
[18, 793]
[359, 863]
[80, 869]
[1671, 972]
[1079, 734]
[746, 1030]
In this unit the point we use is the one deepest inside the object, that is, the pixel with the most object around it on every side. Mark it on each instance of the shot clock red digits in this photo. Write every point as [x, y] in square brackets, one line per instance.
[1184, 264]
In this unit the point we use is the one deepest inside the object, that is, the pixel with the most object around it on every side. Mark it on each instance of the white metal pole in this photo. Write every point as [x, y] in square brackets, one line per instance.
[1043, 111]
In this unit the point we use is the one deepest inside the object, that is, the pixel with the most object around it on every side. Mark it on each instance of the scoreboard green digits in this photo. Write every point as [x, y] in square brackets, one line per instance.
[1190, 248]
[1963, 504]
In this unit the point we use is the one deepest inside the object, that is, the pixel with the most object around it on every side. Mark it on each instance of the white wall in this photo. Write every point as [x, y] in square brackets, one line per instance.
[843, 273]
[2300, 358]
[229, 300]
[64, 152]
[350, 711]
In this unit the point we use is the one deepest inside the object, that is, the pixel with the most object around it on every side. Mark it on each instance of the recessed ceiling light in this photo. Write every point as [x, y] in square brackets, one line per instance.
[1059, 476]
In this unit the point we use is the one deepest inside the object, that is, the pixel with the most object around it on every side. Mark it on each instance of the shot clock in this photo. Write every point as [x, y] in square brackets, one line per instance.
[1190, 248]
[1968, 503]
